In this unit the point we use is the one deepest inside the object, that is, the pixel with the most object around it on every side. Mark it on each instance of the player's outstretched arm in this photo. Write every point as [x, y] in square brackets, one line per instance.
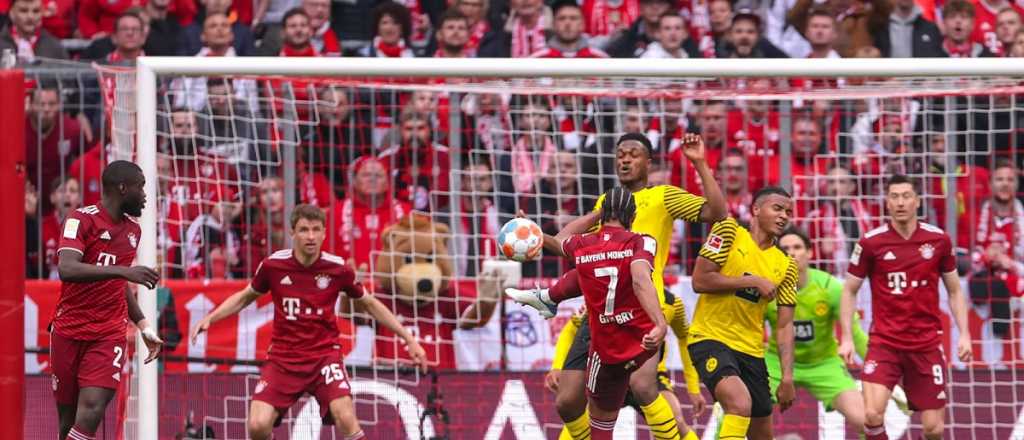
[71, 269]
[234, 304]
[715, 209]
[149, 334]
[958, 305]
[643, 288]
[847, 303]
[580, 225]
[381, 314]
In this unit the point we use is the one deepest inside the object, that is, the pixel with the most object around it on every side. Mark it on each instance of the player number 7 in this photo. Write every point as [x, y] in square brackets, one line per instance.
[613, 274]
[332, 373]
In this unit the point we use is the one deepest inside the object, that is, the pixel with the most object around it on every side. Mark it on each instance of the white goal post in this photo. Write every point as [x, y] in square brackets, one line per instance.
[148, 69]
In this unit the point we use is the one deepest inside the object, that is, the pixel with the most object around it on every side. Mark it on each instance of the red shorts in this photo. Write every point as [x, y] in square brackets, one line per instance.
[81, 364]
[923, 374]
[607, 384]
[282, 382]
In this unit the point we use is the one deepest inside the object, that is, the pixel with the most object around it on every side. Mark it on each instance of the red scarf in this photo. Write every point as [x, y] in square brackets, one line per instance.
[331, 44]
[525, 168]
[957, 50]
[308, 51]
[527, 41]
[387, 50]
[604, 19]
[475, 35]
[26, 46]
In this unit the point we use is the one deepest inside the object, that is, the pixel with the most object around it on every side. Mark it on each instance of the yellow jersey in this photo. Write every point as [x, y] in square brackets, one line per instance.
[657, 207]
[737, 319]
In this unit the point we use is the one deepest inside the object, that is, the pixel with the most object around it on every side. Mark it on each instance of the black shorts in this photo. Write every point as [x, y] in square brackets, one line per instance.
[579, 351]
[715, 361]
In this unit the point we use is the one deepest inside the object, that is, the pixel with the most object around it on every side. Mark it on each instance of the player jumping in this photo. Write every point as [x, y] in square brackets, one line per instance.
[88, 348]
[737, 273]
[817, 366]
[657, 208]
[615, 266]
[304, 356]
[904, 260]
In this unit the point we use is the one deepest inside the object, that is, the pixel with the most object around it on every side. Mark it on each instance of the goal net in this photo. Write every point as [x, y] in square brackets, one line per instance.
[417, 173]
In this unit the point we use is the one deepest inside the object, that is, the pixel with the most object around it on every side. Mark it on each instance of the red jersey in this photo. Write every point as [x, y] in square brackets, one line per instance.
[585, 52]
[904, 276]
[88, 170]
[358, 227]
[305, 322]
[97, 310]
[604, 19]
[432, 323]
[603, 260]
[1007, 231]
[756, 138]
[985, 26]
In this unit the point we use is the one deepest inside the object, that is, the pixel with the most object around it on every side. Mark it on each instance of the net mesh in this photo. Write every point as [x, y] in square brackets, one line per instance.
[235, 153]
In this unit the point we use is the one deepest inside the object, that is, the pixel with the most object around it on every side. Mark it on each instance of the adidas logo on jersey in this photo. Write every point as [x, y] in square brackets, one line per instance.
[889, 256]
[286, 281]
[942, 395]
[105, 235]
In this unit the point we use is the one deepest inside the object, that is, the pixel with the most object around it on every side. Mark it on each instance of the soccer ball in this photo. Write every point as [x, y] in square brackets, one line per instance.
[520, 239]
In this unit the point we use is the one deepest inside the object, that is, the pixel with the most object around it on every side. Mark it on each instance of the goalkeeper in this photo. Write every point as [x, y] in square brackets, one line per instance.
[675, 315]
[817, 366]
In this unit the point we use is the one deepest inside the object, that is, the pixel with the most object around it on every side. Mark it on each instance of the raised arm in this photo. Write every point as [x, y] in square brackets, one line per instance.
[958, 305]
[72, 270]
[715, 209]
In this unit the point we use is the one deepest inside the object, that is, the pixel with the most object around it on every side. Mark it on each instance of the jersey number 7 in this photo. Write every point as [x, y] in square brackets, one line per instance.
[613, 274]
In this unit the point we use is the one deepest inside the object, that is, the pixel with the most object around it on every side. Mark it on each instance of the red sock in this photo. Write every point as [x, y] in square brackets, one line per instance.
[567, 287]
[601, 429]
[875, 432]
[79, 433]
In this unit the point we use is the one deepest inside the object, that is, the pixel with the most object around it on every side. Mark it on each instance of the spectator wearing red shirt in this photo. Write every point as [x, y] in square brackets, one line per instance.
[606, 19]
[297, 35]
[986, 23]
[998, 255]
[52, 138]
[391, 31]
[97, 18]
[519, 170]
[807, 164]
[265, 228]
[958, 16]
[324, 39]
[361, 217]
[419, 167]
[1008, 25]
[754, 127]
[25, 35]
[568, 40]
[88, 169]
[65, 197]
[528, 27]
[59, 18]
[972, 188]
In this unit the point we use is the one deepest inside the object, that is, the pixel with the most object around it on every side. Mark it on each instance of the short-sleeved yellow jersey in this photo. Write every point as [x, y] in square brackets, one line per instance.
[737, 319]
[657, 207]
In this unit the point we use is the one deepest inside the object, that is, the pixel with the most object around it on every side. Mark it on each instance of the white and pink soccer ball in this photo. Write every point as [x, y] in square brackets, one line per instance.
[520, 240]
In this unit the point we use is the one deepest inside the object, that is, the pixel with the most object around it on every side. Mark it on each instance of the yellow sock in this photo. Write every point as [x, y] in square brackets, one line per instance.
[690, 435]
[578, 429]
[660, 419]
[734, 427]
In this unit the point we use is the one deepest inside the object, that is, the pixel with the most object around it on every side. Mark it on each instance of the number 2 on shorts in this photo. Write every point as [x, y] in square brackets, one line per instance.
[118, 352]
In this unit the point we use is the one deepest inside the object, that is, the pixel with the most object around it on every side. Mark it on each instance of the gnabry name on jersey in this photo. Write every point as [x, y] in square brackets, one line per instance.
[602, 256]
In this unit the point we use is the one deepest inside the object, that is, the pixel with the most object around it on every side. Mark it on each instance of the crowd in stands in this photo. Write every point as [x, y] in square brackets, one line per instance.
[369, 155]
